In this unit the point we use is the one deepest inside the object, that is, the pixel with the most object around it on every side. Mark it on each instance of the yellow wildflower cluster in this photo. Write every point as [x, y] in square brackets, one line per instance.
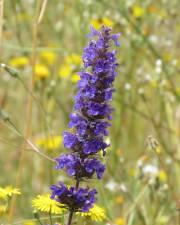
[97, 23]
[96, 213]
[49, 143]
[68, 69]
[44, 203]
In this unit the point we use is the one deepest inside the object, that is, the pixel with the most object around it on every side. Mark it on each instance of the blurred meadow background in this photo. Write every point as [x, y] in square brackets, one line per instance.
[41, 44]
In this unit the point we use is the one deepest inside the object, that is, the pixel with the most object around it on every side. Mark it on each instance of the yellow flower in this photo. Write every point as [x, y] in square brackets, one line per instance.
[138, 11]
[44, 203]
[97, 23]
[120, 221]
[41, 71]
[48, 56]
[162, 176]
[29, 222]
[75, 78]
[96, 213]
[8, 192]
[65, 71]
[19, 62]
[73, 59]
[50, 143]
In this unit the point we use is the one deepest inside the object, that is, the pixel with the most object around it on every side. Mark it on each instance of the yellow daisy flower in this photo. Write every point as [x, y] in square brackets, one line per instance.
[96, 213]
[97, 23]
[44, 203]
[65, 71]
[50, 143]
[48, 56]
[120, 221]
[138, 11]
[8, 192]
[73, 59]
[41, 71]
[19, 62]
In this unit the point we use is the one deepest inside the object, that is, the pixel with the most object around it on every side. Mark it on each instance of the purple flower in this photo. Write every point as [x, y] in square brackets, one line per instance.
[69, 140]
[80, 168]
[89, 122]
[81, 199]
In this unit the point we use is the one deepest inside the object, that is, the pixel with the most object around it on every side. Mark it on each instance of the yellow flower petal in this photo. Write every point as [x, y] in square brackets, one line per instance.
[96, 213]
[44, 203]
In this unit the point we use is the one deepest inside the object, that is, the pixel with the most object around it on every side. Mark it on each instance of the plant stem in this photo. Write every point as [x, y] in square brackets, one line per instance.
[71, 212]
[70, 218]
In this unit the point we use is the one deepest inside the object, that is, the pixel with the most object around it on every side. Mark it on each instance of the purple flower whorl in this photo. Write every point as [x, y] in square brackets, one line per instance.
[89, 121]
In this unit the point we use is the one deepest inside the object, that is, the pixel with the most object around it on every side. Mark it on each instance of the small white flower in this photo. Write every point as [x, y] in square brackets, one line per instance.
[112, 185]
[127, 86]
[158, 62]
[150, 170]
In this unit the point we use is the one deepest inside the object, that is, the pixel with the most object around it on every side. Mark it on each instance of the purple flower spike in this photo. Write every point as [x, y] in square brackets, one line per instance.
[89, 122]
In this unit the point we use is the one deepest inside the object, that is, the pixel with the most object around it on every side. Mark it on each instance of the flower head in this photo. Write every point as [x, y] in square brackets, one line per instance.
[8, 192]
[96, 213]
[89, 121]
[44, 203]
[97, 23]
[41, 72]
[50, 143]
[80, 199]
[19, 62]
[48, 56]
